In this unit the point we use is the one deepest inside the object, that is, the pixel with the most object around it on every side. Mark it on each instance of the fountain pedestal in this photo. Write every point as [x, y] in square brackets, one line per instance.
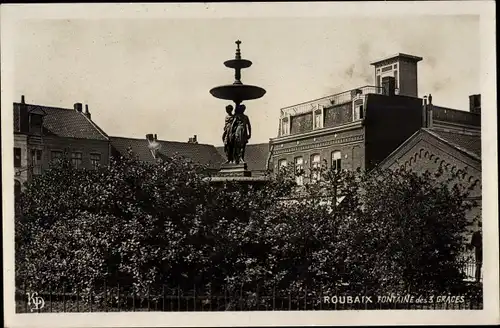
[234, 170]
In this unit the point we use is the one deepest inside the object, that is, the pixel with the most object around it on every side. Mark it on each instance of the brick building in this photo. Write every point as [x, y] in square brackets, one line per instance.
[450, 140]
[43, 133]
[353, 129]
[359, 128]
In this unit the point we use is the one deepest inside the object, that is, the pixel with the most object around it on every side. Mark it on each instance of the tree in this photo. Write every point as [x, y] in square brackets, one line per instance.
[144, 227]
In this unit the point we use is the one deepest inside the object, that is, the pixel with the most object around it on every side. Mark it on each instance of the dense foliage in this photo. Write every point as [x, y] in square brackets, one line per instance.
[144, 227]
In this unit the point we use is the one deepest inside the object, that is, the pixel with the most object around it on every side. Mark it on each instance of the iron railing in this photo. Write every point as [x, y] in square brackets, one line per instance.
[203, 301]
[328, 101]
[168, 299]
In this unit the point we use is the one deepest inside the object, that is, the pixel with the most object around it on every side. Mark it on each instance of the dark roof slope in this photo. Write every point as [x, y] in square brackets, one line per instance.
[465, 142]
[61, 122]
[256, 156]
[199, 153]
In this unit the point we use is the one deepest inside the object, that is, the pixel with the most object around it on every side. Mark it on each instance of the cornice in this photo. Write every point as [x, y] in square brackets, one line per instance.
[319, 132]
[425, 154]
[320, 144]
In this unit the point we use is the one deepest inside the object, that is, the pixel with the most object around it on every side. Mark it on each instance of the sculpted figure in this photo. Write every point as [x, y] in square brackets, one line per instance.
[227, 137]
[242, 132]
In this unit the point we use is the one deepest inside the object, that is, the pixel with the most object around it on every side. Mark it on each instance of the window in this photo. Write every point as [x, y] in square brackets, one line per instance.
[315, 167]
[17, 157]
[17, 188]
[285, 127]
[36, 123]
[36, 161]
[299, 171]
[358, 112]
[318, 119]
[336, 160]
[281, 164]
[55, 154]
[379, 84]
[386, 68]
[76, 160]
[95, 160]
[396, 79]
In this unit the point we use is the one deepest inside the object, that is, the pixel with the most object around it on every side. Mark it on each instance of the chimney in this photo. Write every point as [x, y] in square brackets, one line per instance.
[424, 113]
[149, 137]
[193, 140]
[429, 112]
[389, 85]
[22, 99]
[78, 107]
[87, 113]
[475, 104]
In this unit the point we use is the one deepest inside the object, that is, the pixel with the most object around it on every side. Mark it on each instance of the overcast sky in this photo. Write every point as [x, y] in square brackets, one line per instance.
[144, 76]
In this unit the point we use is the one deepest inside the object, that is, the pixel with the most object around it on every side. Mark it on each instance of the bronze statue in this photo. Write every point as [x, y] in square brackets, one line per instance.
[227, 135]
[241, 132]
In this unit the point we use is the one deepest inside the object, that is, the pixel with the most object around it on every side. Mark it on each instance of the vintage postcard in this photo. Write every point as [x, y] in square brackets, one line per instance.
[259, 164]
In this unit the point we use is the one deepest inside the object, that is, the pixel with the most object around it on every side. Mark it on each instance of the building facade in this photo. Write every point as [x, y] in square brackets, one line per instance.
[454, 147]
[43, 134]
[354, 129]
[359, 128]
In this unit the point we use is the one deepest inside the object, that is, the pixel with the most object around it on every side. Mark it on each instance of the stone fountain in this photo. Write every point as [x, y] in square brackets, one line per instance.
[237, 128]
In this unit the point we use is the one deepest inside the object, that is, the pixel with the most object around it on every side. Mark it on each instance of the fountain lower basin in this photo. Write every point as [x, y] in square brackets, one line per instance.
[237, 92]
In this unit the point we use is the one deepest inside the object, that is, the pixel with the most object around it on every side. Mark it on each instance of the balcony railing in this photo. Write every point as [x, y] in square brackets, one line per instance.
[328, 101]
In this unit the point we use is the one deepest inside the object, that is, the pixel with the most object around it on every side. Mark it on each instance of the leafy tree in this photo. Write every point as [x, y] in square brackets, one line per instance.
[143, 228]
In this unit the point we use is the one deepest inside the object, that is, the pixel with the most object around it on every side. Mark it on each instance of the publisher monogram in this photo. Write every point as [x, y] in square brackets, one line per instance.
[35, 302]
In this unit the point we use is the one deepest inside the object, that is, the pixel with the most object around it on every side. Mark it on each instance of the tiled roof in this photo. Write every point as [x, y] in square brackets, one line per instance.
[199, 153]
[62, 122]
[465, 142]
[256, 156]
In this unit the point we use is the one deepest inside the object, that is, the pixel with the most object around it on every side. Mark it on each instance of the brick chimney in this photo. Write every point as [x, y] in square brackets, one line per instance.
[87, 113]
[78, 107]
[389, 85]
[193, 140]
[22, 99]
[424, 112]
[153, 145]
[430, 117]
[475, 104]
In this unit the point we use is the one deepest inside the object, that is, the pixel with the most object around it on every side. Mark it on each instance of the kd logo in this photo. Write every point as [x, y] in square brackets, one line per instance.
[36, 302]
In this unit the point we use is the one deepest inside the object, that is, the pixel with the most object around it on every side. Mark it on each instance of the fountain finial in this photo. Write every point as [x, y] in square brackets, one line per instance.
[238, 52]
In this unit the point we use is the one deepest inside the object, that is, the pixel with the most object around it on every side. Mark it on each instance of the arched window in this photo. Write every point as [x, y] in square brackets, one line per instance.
[315, 167]
[282, 164]
[336, 160]
[299, 170]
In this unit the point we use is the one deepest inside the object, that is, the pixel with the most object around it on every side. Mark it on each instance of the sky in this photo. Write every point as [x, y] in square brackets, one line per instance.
[142, 76]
